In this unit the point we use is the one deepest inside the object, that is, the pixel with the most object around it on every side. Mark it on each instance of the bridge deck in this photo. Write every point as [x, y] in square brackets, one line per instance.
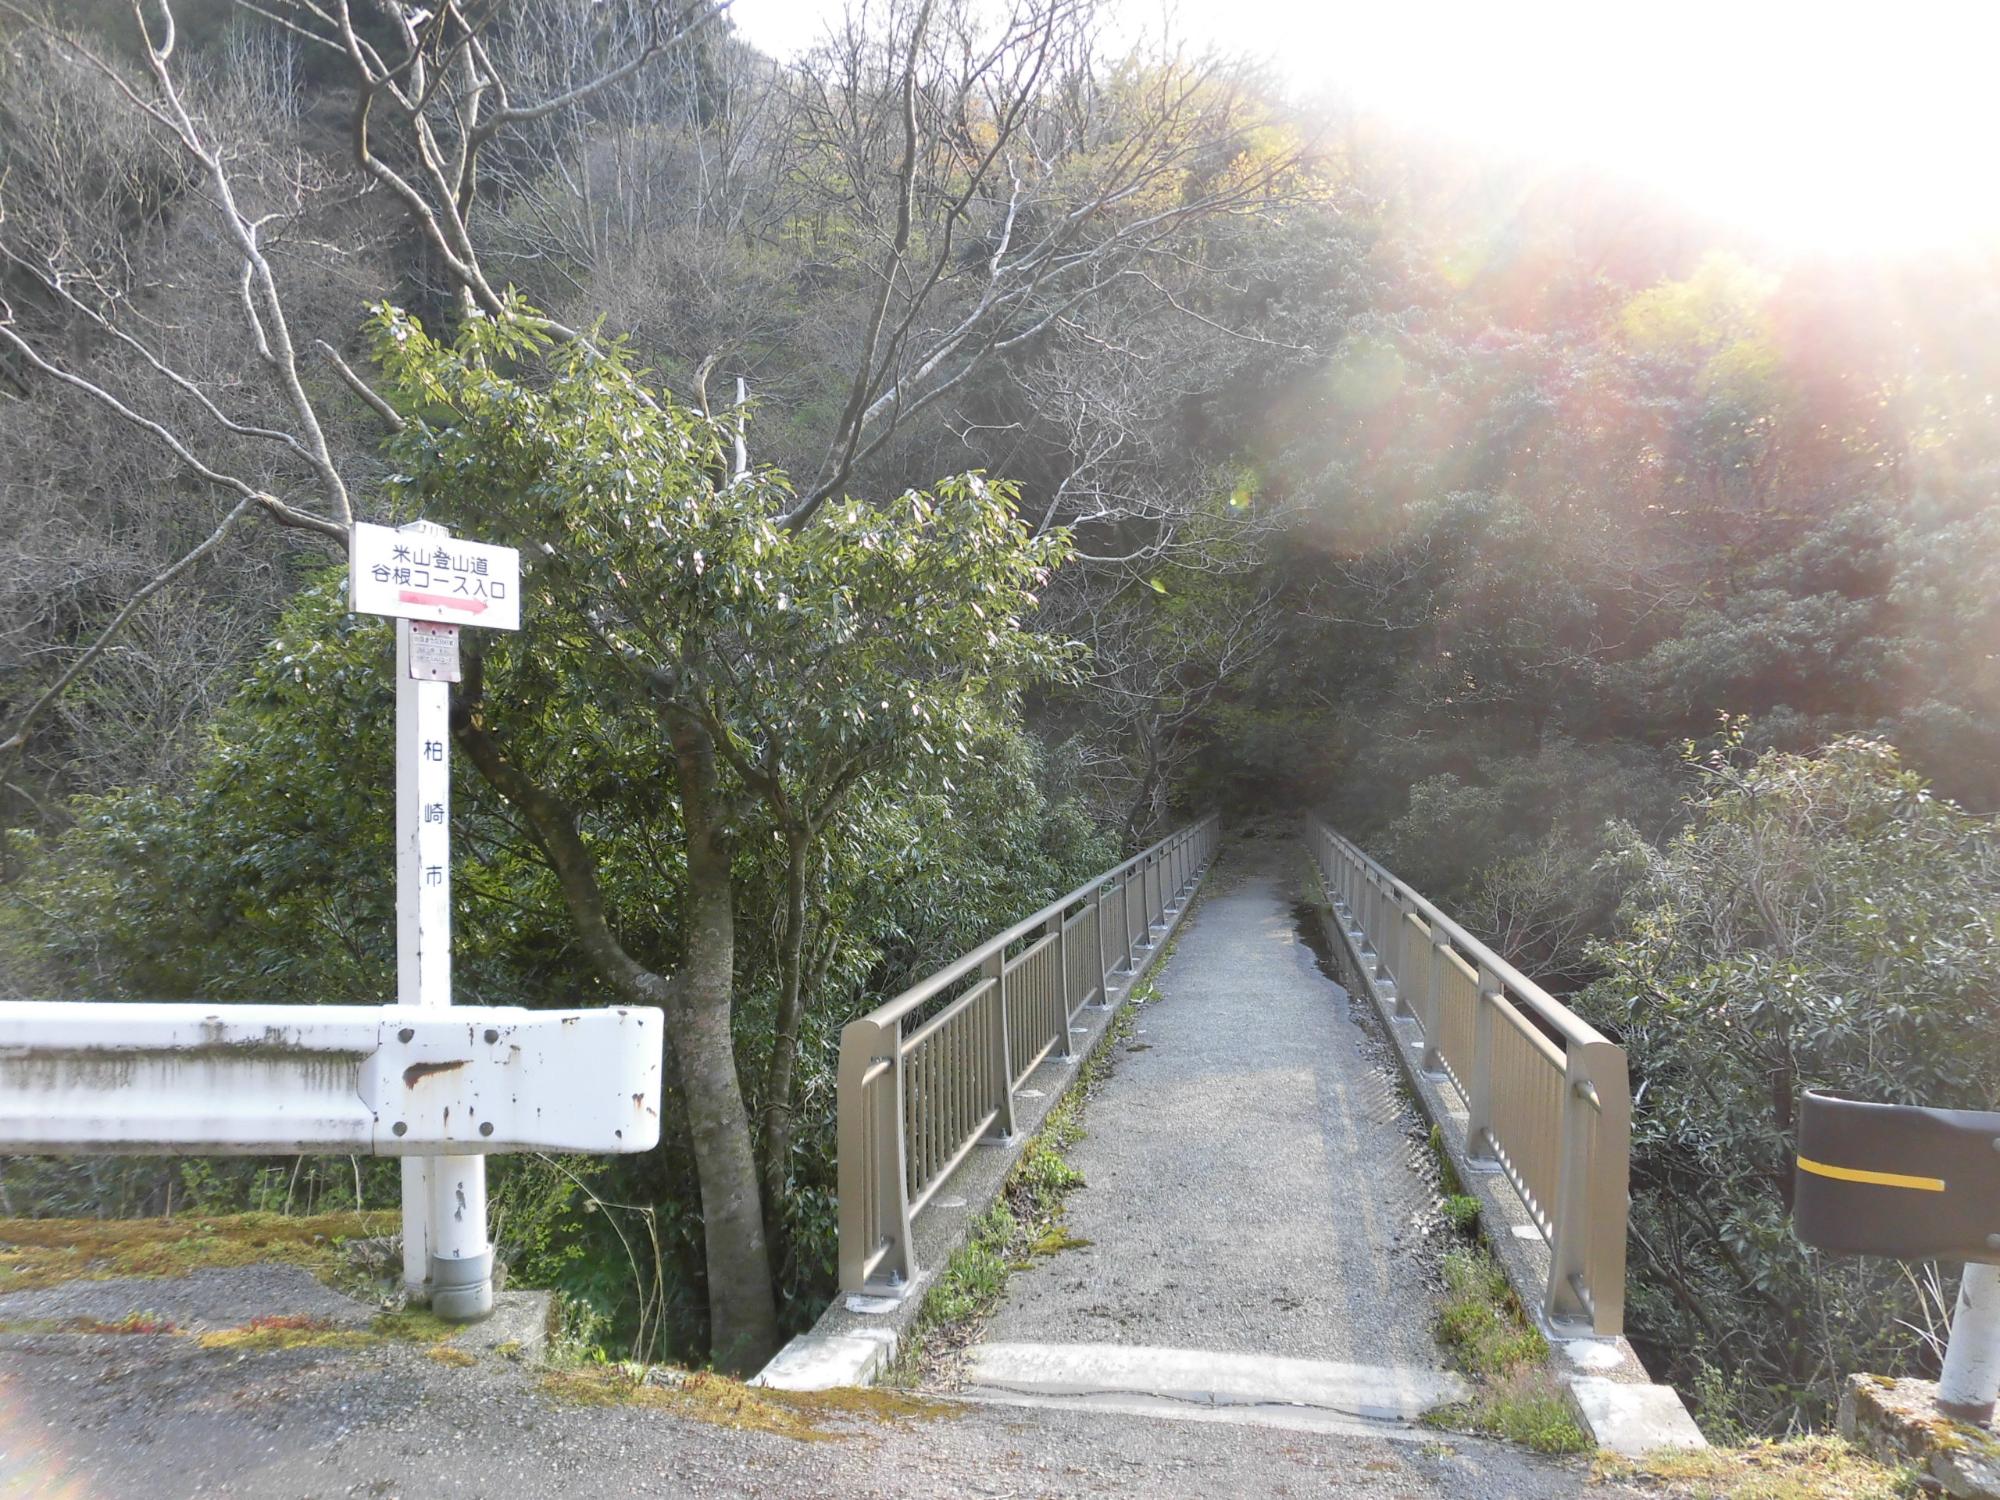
[1253, 1235]
[1251, 1172]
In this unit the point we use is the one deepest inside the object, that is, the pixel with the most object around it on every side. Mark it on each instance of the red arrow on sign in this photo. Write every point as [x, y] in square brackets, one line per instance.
[443, 601]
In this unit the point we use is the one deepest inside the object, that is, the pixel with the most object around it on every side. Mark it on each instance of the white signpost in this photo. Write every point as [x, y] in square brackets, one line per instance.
[440, 1088]
[430, 584]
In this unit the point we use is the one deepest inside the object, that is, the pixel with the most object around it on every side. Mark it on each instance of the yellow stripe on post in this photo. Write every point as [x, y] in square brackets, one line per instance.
[1875, 1179]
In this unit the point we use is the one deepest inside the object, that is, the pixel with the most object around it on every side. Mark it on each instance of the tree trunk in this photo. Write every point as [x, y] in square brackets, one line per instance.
[1138, 819]
[742, 1316]
[785, 1041]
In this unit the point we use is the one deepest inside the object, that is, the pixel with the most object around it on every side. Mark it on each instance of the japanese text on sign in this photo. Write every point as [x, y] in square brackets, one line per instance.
[444, 579]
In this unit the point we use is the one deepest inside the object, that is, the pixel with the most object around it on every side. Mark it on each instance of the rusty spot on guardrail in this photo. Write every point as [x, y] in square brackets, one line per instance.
[416, 1073]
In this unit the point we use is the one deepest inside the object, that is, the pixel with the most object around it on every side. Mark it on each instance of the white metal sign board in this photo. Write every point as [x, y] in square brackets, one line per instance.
[416, 577]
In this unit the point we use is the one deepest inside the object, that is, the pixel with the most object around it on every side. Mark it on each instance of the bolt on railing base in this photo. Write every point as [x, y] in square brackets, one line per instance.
[888, 1293]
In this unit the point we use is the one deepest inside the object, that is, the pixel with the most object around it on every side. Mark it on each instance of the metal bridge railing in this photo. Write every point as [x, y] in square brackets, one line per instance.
[1547, 1097]
[933, 1073]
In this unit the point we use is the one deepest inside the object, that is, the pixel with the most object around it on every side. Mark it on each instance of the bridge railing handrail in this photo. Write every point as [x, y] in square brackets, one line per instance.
[912, 1103]
[1547, 1096]
[1545, 1006]
[932, 985]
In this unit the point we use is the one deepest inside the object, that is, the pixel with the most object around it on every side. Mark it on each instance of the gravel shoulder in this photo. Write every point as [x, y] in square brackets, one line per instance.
[162, 1418]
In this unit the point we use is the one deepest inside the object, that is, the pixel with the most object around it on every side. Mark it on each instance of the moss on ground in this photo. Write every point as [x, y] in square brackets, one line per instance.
[36, 1253]
[1486, 1333]
[1809, 1468]
[411, 1326]
[137, 1324]
[805, 1416]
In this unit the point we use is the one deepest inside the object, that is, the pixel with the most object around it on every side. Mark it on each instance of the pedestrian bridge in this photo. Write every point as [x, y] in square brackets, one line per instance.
[1242, 1301]
[1257, 1234]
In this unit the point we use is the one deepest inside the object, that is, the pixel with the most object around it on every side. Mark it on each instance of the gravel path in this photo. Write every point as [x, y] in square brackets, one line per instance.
[98, 1418]
[1249, 1177]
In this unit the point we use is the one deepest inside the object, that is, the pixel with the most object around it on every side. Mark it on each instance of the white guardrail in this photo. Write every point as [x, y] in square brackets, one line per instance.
[251, 1080]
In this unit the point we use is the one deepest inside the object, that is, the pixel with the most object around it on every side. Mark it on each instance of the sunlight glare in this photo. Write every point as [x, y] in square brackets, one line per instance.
[1832, 127]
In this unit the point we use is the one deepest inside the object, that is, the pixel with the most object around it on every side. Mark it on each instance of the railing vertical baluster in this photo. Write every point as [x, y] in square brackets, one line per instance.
[1103, 962]
[1398, 954]
[871, 1169]
[1587, 1249]
[1570, 1227]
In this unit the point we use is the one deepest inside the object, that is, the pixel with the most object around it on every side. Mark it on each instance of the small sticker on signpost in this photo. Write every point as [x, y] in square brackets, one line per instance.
[433, 652]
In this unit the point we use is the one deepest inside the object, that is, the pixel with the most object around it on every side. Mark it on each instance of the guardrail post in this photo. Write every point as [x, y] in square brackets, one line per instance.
[1587, 1248]
[1398, 943]
[1061, 930]
[871, 1172]
[1104, 965]
[999, 1053]
[1433, 1058]
[1125, 919]
[1971, 1375]
[1479, 1098]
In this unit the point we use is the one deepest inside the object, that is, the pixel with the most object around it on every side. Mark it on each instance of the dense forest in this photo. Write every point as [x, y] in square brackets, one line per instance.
[945, 462]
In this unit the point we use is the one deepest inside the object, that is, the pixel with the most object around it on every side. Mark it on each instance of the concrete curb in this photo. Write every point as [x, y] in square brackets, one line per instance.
[855, 1339]
[1898, 1422]
[1614, 1398]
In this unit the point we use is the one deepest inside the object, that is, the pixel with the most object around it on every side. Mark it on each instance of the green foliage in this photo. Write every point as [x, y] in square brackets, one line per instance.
[1461, 1211]
[1823, 922]
[1480, 1322]
[860, 672]
[1485, 1333]
[1044, 1174]
[976, 1274]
